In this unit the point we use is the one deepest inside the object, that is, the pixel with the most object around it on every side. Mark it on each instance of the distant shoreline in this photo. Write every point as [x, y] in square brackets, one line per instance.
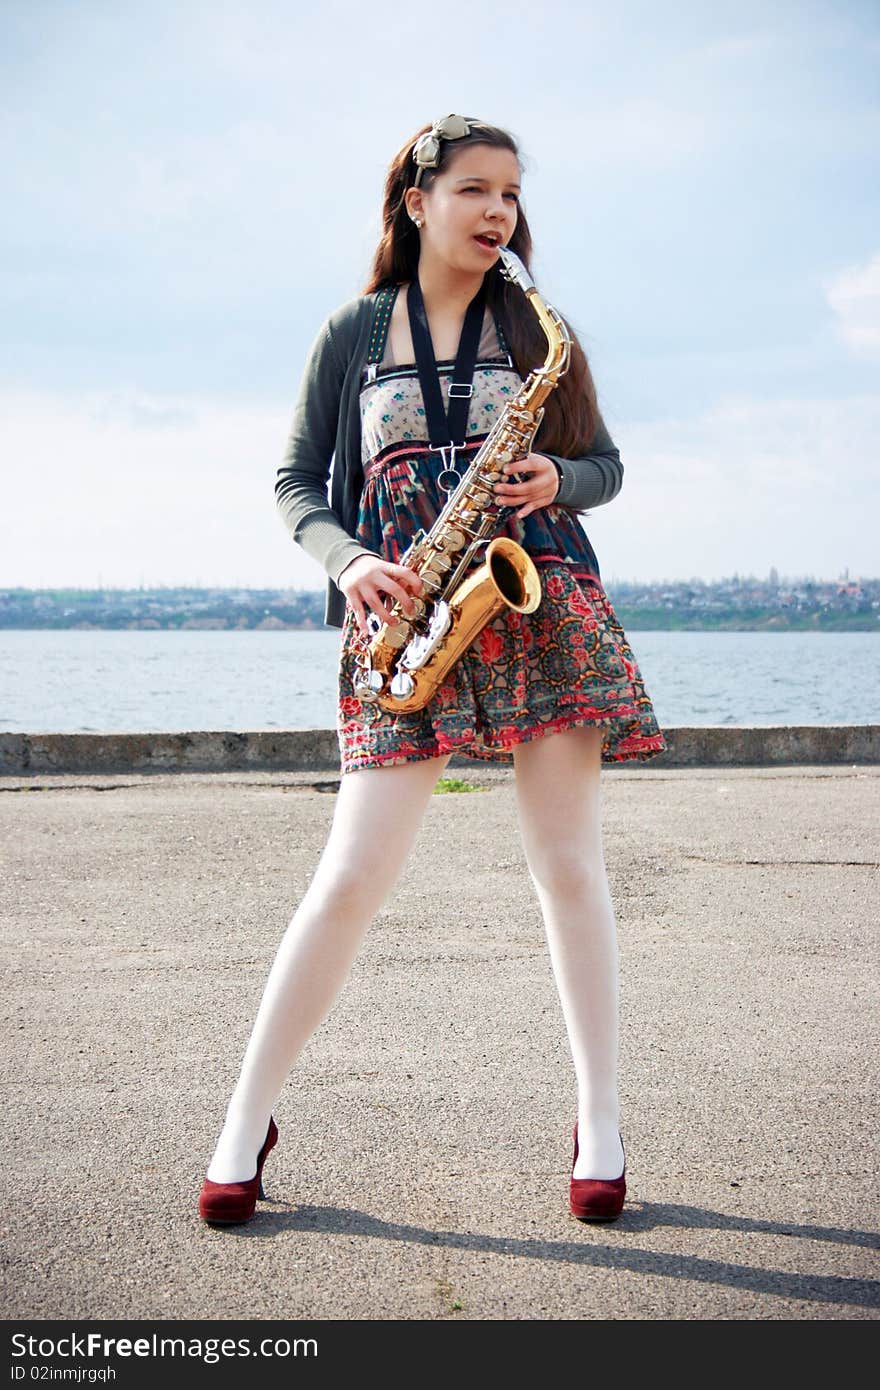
[729, 605]
[631, 621]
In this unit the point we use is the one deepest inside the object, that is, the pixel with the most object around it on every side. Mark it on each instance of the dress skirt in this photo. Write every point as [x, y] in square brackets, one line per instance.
[526, 675]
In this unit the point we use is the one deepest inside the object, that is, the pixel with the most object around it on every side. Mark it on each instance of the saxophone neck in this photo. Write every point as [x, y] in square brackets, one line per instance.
[542, 381]
[558, 341]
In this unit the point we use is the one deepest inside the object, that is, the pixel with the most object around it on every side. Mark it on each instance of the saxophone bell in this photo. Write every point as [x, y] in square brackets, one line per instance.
[507, 578]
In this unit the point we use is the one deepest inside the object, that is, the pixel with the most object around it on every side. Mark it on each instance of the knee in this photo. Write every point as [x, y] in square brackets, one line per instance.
[345, 888]
[566, 872]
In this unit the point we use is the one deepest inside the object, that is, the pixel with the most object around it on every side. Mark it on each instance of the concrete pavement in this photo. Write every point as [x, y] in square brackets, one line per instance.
[425, 1144]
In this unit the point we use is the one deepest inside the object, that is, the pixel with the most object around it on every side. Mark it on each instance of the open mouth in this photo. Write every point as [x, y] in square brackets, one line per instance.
[488, 241]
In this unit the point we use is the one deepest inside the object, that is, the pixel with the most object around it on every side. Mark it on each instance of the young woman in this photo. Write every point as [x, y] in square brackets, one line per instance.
[556, 692]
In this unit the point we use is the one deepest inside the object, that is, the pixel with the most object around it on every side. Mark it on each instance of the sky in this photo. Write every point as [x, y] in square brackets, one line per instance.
[189, 189]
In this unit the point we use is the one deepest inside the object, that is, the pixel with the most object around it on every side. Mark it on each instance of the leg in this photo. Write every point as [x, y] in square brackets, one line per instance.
[377, 816]
[559, 802]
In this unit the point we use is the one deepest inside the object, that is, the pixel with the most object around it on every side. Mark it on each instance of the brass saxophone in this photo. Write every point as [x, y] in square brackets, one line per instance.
[405, 660]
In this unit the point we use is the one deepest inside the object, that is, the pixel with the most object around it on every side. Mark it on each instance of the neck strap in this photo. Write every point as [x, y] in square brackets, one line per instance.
[443, 429]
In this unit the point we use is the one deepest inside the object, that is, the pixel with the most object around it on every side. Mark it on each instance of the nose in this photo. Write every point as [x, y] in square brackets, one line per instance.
[498, 209]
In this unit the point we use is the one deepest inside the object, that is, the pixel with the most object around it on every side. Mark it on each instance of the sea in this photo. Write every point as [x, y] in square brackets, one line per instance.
[139, 681]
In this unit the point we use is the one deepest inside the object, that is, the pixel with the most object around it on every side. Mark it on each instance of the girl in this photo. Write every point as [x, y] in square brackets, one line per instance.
[556, 692]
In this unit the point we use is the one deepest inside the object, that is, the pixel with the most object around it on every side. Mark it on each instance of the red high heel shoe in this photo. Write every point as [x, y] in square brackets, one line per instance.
[596, 1199]
[230, 1203]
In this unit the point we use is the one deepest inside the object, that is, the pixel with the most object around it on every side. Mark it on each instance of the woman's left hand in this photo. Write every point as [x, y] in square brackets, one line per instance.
[539, 489]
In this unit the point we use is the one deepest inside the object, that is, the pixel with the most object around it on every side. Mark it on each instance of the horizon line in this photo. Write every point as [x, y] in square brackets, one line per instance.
[199, 585]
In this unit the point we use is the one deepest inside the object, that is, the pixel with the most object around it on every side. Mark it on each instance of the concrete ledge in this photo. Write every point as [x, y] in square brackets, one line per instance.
[303, 750]
[197, 751]
[752, 745]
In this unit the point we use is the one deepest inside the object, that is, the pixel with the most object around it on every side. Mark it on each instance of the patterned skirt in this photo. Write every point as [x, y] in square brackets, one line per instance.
[526, 675]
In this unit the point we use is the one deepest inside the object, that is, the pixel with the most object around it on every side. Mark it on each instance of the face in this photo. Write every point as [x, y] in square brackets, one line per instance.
[477, 192]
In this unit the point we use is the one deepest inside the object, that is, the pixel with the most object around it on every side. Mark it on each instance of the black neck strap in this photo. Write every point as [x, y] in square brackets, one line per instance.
[443, 429]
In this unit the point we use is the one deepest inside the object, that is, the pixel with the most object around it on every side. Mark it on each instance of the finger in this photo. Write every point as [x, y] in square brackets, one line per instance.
[535, 490]
[512, 494]
[376, 604]
[534, 465]
[517, 488]
[414, 582]
[532, 503]
[544, 500]
[381, 603]
[401, 594]
[408, 576]
[358, 610]
[527, 476]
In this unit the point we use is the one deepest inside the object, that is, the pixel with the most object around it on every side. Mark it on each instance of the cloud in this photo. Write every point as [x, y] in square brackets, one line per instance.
[854, 297]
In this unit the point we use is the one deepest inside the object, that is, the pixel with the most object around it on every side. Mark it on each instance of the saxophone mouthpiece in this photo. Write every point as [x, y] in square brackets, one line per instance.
[513, 269]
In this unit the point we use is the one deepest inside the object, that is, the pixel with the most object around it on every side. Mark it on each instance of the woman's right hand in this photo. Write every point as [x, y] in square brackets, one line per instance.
[365, 579]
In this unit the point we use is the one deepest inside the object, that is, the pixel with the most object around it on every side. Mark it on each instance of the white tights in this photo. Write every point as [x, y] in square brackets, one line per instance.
[559, 801]
[557, 783]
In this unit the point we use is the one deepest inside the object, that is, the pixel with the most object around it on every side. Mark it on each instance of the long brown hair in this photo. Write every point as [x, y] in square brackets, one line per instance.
[571, 413]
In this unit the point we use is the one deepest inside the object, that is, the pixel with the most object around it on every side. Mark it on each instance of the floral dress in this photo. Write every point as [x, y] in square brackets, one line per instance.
[526, 675]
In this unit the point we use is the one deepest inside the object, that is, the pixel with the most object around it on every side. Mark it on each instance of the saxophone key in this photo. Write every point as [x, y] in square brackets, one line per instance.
[397, 634]
[402, 685]
[368, 683]
[425, 644]
[452, 540]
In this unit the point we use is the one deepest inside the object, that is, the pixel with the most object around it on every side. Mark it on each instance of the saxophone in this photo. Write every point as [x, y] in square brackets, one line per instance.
[404, 661]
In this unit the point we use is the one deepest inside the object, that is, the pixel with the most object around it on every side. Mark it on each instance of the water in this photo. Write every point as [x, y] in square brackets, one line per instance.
[141, 681]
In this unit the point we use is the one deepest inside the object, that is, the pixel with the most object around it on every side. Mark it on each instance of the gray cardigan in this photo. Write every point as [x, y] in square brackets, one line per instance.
[327, 428]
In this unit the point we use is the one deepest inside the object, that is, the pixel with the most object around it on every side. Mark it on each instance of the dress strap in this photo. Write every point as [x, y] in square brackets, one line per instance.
[379, 332]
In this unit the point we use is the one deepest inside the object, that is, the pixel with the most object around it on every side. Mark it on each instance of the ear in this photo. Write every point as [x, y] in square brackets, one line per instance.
[413, 201]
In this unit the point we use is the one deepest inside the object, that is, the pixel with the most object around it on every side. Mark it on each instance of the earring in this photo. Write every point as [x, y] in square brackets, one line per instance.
[418, 221]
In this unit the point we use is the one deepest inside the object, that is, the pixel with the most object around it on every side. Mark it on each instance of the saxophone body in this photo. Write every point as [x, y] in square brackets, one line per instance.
[405, 660]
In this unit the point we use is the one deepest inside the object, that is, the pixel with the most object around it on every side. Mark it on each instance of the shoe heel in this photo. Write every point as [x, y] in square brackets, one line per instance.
[261, 1191]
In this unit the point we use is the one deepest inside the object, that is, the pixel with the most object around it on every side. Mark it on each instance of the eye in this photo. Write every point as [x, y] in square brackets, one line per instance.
[472, 188]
